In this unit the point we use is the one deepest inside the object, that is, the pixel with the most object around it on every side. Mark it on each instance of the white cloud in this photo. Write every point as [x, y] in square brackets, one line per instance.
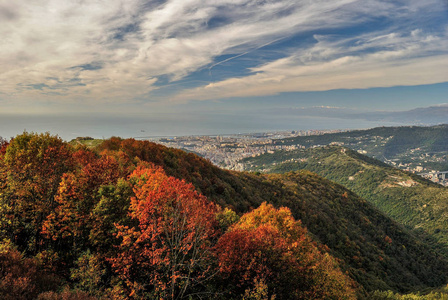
[116, 50]
[45, 39]
[385, 60]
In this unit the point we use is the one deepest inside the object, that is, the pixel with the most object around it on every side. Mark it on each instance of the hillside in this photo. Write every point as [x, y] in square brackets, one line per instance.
[75, 212]
[405, 197]
[355, 232]
[408, 145]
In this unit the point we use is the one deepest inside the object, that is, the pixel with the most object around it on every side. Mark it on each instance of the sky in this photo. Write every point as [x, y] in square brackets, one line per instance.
[148, 68]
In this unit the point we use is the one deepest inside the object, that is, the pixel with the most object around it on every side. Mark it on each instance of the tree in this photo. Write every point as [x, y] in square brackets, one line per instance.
[70, 223]
[5, 222]
[22, 278]
[167, 253]
[33, 165]
[226, 218]
[267, 245]
[3, 144]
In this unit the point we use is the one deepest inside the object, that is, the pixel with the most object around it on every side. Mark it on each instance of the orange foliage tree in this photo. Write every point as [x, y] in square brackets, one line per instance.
[268, 245]
[89, 200]
[167, 253]
[71, 221]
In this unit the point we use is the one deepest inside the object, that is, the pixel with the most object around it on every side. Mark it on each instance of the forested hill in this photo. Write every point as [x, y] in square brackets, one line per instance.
[384, 142]
[405, 197]
[97, 221]
[315, 201]
[353, 230]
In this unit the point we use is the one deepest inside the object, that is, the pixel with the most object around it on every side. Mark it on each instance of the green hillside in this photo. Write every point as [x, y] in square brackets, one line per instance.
[405, 197]
[407, 144]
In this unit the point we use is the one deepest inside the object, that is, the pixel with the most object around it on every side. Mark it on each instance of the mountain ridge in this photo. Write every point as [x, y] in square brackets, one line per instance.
[406, 197]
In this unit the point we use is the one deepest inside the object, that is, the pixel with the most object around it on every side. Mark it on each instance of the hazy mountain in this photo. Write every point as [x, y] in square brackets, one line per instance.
[405, 144]
[424, 115]
[431, 115]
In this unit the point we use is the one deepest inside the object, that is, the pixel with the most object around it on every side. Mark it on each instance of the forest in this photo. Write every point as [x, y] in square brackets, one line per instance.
[129, 219]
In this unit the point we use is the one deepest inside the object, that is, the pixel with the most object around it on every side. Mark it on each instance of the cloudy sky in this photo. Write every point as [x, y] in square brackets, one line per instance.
[134, 67]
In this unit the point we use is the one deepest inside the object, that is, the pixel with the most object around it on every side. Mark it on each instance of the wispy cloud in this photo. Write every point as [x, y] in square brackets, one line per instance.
[117, 50]
[368, 60]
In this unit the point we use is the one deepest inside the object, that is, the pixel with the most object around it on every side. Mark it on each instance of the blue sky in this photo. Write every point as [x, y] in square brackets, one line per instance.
[176, 67]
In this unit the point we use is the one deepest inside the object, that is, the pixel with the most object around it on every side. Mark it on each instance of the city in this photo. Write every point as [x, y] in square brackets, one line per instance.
[228, 151]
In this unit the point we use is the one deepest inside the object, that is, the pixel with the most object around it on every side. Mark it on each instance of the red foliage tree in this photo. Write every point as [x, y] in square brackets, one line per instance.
[246, 256]
[3, 144]
[167, 253]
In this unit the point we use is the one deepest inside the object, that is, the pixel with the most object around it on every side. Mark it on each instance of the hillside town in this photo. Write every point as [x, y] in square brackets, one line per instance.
[228, 150]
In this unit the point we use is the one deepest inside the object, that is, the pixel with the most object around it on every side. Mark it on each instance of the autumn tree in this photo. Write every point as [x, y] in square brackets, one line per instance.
[33, 165]
[3, 144]
[90, 201]
[167, 253]
[267, 245]
[226, 218]
[22, 278]
[70, 223]
[66, 294]
[92, 271]
[110, 210]
[5, 221]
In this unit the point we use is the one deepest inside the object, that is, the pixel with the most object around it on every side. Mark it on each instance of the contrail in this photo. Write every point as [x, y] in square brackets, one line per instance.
[241, 54]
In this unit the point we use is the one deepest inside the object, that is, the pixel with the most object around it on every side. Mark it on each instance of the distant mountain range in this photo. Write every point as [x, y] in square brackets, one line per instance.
[425, 115]
[431, 115]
